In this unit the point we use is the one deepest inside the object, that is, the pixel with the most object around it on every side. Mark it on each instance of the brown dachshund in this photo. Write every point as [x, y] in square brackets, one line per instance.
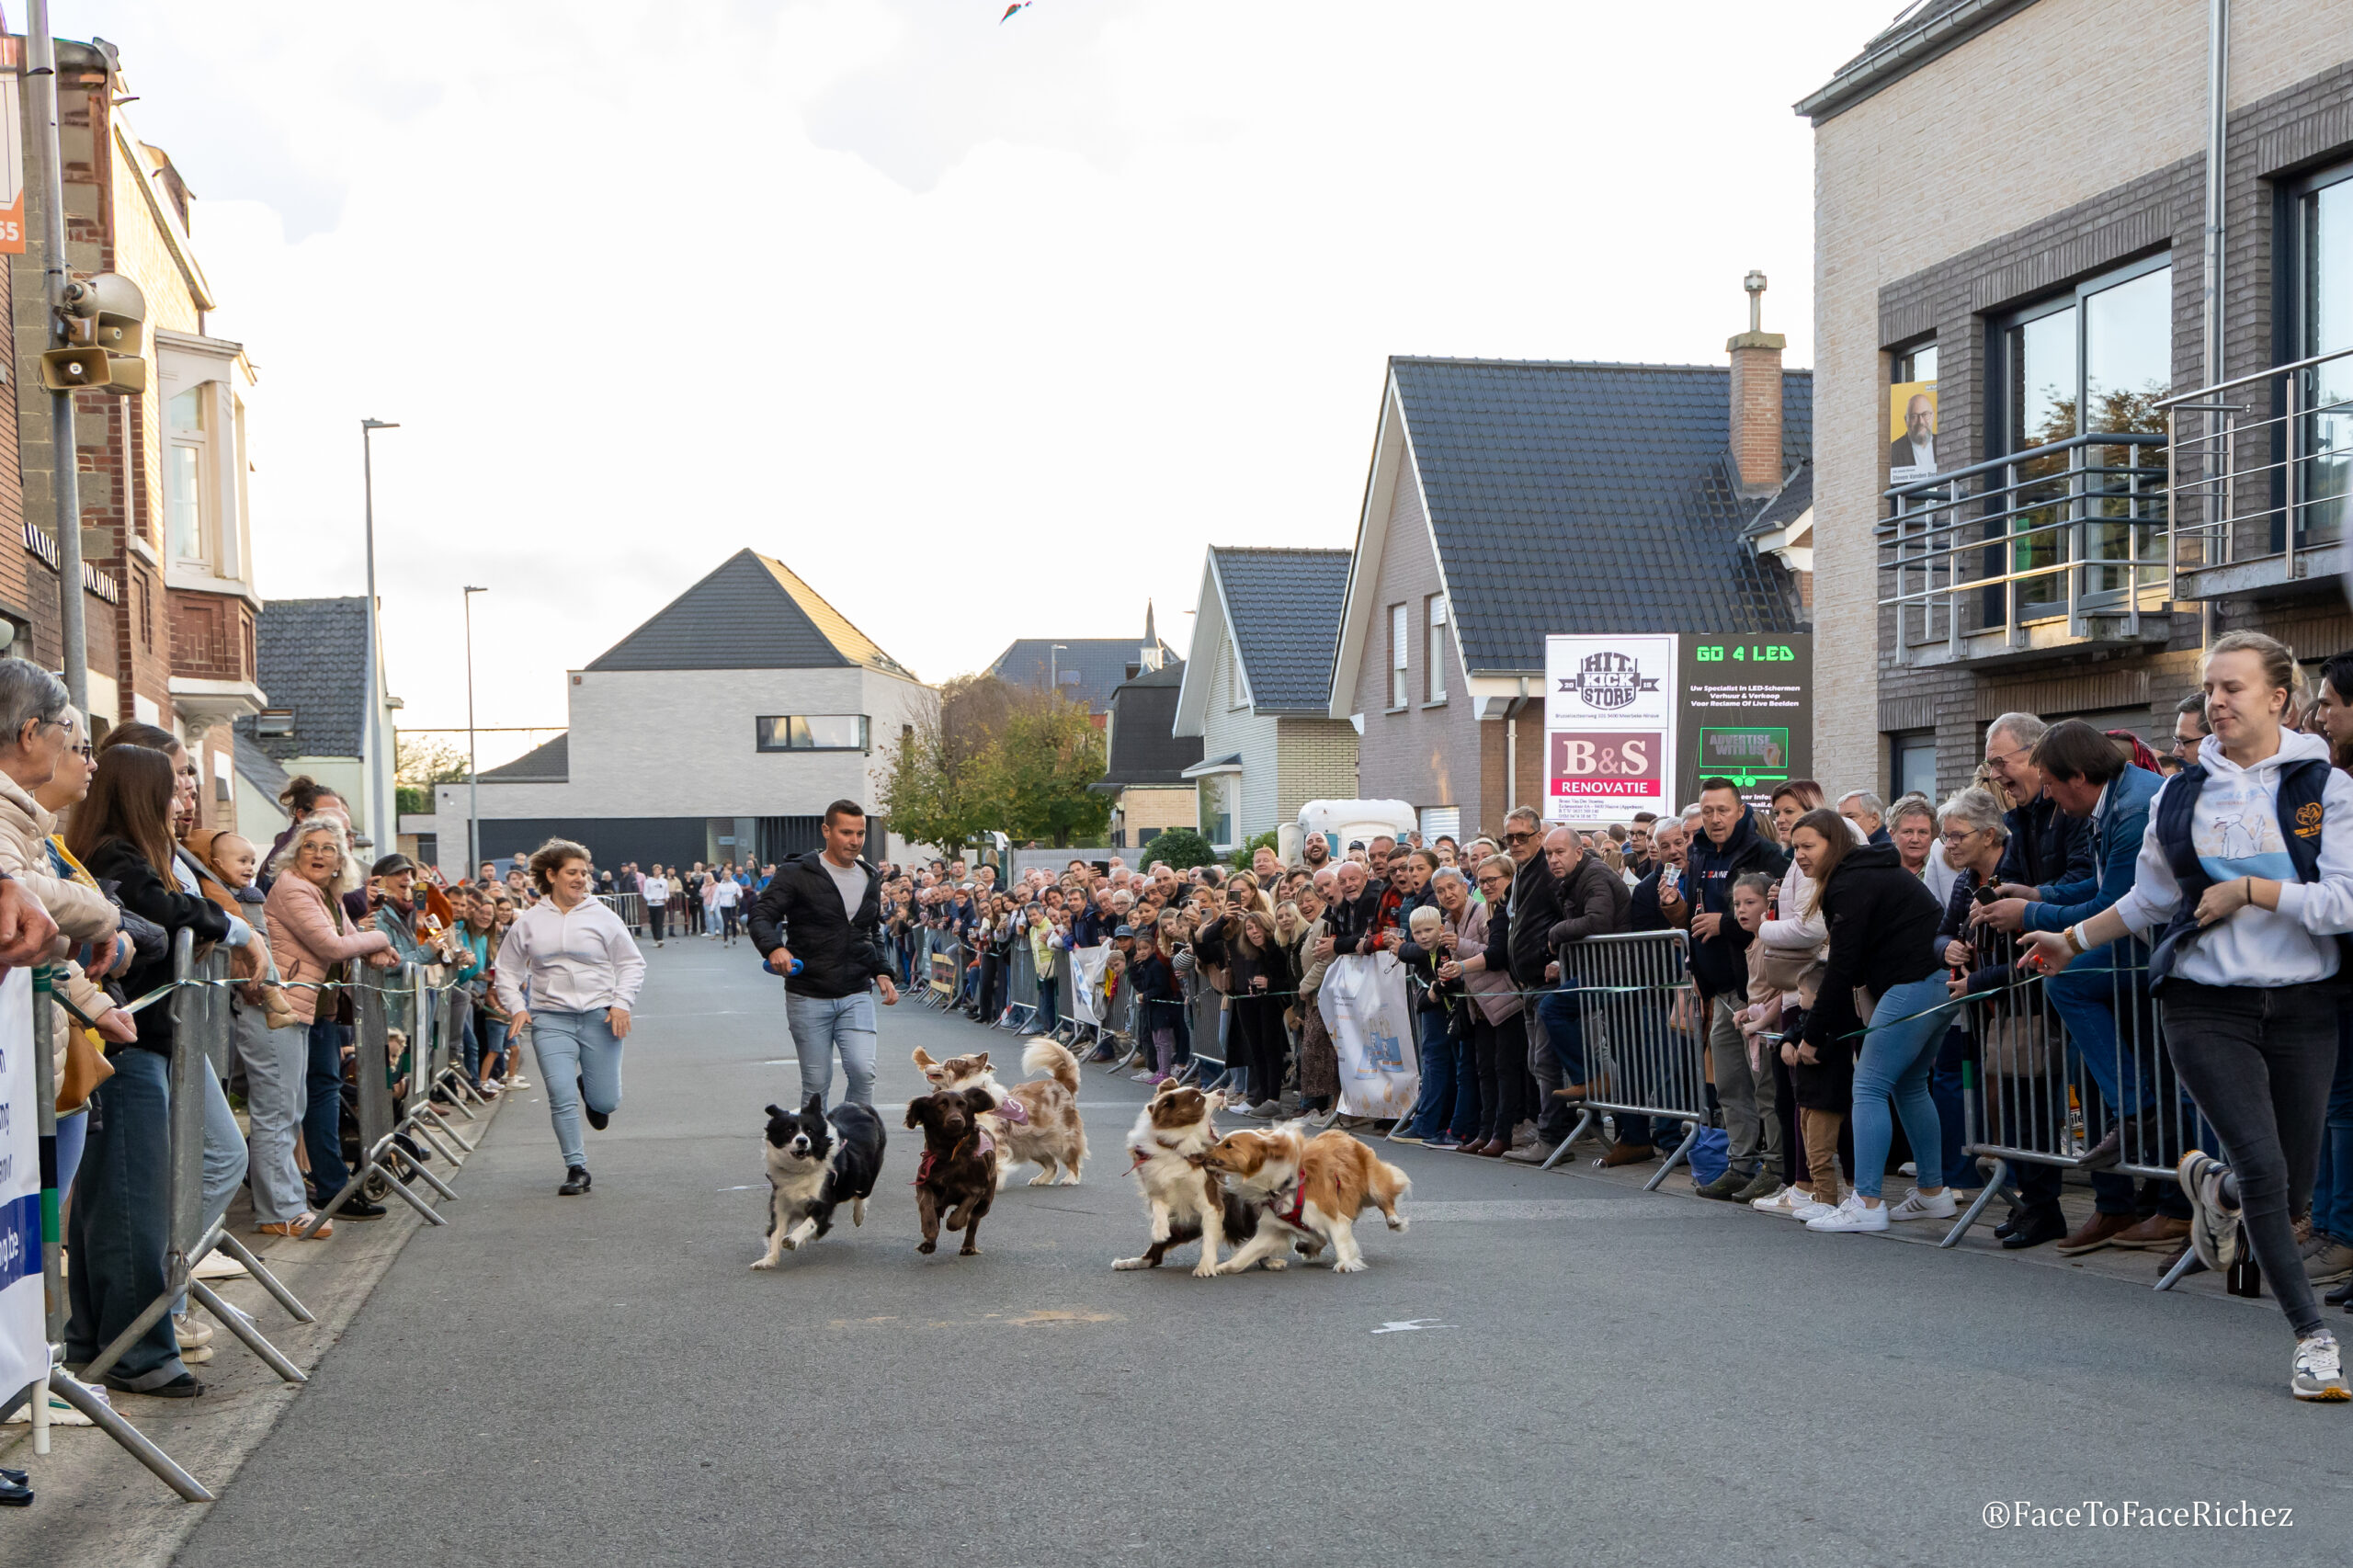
[957, 1174]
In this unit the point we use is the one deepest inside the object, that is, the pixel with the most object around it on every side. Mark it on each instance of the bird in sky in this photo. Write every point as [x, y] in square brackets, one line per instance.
[1016, 5]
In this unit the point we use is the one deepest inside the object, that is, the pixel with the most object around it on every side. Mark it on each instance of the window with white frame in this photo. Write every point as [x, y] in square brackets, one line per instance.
[185, 472]
[1434, 652]
[812, 732]
[1400, 657]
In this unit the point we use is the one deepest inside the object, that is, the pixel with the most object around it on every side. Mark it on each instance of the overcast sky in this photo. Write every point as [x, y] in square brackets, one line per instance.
[986, 329]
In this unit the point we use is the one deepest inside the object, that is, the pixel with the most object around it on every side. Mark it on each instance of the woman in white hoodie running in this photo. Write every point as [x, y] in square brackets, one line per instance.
[2250, 883]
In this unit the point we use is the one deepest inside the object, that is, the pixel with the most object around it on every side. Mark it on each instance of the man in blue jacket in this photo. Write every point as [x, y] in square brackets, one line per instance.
[2083, 776]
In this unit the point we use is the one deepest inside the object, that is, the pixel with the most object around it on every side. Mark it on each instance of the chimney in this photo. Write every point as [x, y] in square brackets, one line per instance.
[1756, 396]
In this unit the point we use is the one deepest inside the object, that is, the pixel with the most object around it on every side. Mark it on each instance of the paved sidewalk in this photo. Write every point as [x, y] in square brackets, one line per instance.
[96, 1504]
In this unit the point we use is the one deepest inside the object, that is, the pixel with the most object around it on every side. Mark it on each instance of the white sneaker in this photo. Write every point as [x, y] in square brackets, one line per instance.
[1851, 1215]
[1909, 1167]
[1784, 1200]
[217, 1265]
[60, 1413]
[1918, 1204]
[2318, 1375]
[1815, 1211]
[189, 1332]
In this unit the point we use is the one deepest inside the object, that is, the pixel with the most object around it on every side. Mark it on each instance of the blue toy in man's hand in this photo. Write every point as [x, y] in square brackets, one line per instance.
[794, 970]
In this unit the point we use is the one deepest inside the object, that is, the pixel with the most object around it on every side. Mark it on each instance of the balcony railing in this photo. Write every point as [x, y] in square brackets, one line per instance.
[2262, 479]
[2036, 551]
[103, 584]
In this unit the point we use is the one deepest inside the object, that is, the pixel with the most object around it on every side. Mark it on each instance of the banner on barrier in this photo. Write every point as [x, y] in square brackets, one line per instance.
[1086, 989]
[1364, 1004]
[24, 1341]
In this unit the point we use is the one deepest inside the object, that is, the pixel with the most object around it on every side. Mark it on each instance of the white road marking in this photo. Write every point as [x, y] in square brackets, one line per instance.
[1412, 1325]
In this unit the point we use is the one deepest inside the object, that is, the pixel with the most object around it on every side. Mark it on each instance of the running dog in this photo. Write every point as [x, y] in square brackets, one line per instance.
[1033, 1123]
[1185, 1201]
[1306, 1187]
[817, 1163]
[957, 1178]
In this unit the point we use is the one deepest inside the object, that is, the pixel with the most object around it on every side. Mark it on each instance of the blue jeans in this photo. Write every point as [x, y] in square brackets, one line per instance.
[1945, 1091]
[822, 1024]
[1565, 1030]
[1895, 1059]
[493, 1039]
[576, 1051]
[1047, 1004]
[119, 1229]
[2333, 1193]
[323, 1110]
[224, 1158]
[1433, 1108]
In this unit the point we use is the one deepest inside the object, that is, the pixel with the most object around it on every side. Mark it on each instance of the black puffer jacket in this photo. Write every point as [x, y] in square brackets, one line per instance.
[1883, 922]
[801, 910]
[1535, 909]
[155, 896]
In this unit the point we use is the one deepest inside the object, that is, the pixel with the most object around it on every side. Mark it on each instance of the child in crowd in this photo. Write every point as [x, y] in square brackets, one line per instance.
[1820, 1088]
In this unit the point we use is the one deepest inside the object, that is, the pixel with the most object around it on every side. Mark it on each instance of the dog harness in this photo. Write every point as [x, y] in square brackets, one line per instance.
[1141, 1154]
[1296, 1191]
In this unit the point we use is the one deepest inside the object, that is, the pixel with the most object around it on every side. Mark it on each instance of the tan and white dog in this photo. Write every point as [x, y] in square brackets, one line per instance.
[1182, 1197]
[1035, 1123]
[1303, 1186]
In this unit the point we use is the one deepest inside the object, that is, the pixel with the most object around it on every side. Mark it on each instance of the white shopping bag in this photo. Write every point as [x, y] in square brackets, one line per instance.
[1364, 1004]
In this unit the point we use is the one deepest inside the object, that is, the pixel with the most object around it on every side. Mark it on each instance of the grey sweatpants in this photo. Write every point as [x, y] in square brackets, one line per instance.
[276, 1061]
[1752, 1112]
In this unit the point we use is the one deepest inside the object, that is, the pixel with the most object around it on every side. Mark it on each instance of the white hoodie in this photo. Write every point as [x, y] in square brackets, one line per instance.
[2234, 827]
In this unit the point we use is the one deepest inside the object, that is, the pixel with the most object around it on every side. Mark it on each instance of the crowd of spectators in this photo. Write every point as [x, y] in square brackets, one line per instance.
[1851, 963]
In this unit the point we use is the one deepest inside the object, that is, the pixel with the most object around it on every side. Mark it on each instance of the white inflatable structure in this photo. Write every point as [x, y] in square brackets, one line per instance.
[1341, 821]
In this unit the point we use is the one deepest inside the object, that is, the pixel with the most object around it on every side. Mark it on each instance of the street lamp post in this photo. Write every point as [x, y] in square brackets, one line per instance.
[474, 770]
[374, 727]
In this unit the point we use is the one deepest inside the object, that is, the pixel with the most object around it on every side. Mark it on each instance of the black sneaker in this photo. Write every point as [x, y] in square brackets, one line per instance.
[185, 1386]
[359, 1208]
[596, 1119]
[576, 1182]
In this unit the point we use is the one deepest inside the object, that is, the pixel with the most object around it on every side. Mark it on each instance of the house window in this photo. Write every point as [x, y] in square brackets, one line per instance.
[1434, 652]
[1217, 791]
[812, 732]
[2324, 325]
[2086, 363]
[1912, 764]
[1400, 650]
[184, 474]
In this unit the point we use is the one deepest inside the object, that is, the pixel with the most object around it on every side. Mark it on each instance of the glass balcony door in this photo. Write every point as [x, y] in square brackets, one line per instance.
[2323, 429]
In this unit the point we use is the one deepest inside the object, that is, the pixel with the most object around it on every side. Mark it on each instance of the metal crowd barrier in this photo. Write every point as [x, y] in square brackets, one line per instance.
[1205, 1006]
[398, 1118]
[629, 906]
[2035, 1087]
[1020, 987]
[1636, 1063]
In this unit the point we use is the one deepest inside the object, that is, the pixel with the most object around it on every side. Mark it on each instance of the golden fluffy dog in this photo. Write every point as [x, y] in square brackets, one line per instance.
[1035, 1123]
[1303, 1186]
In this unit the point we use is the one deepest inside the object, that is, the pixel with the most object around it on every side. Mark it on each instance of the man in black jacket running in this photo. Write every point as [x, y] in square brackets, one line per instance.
[829, 904]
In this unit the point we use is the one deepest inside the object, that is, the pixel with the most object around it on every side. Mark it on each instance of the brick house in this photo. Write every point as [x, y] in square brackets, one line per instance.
[169, 602]
[1256, 689]
[1144, 760]
[1513, 499]
[2115, 475]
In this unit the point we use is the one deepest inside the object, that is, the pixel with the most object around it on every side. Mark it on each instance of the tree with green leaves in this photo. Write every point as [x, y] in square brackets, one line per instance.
[1048, 753]
[419, 763]
[1180, 846]
[938, 783]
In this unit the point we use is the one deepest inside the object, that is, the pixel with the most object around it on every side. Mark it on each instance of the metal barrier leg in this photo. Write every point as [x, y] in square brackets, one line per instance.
[240, 1325]
[419, 1128]
[107, 1419]
[98, 1365]
[1587, 1117]
[2187, 1263]
[418, 1169]
[441, 1125]
[1999, 1181]
[1682, 1152]
[269, 1282]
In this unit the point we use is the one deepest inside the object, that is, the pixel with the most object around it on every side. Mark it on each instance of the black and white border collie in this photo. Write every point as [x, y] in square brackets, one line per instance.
[817, 1163]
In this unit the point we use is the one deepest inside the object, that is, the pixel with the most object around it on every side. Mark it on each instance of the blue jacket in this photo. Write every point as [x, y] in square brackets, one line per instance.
[2117, 829]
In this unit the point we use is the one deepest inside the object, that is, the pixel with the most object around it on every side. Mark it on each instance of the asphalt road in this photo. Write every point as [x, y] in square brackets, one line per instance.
[1598, 1376]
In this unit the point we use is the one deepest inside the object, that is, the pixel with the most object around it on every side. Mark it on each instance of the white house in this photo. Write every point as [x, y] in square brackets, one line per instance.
[1257, 687]
[718, 731]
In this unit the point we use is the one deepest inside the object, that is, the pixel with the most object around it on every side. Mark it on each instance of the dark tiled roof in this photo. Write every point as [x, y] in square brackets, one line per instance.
[750, 613]
[1787, 506]
[311, 656]
[1586, 497]
[1088, 669]
[258, 769]
[1283, 612]
[548, 763]
[1144, 711]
